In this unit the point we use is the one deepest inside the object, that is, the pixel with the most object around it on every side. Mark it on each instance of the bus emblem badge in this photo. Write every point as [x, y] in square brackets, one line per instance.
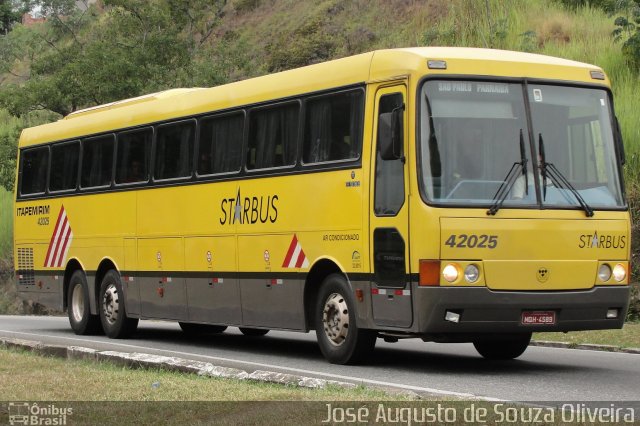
[542, 275]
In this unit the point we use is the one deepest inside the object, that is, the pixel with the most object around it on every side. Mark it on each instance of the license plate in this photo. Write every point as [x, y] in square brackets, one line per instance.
[538, 318]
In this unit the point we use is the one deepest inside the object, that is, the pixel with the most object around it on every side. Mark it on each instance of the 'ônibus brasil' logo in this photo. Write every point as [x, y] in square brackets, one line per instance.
[60, 241]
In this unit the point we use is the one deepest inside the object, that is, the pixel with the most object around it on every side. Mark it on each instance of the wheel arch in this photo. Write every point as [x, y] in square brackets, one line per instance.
[105, 266]
[320, 270]
[73, 265]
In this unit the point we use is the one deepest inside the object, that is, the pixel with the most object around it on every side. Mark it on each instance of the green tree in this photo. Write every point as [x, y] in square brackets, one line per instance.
[10, 13]
[628, 29]
[84, 57]
[88, 56]
[8, 153]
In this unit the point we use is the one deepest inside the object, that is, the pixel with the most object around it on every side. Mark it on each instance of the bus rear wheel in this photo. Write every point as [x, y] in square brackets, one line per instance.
[255, 332]
[193, 329]
[502, 349]
[339, 338]
[80, 317]
[113, 313]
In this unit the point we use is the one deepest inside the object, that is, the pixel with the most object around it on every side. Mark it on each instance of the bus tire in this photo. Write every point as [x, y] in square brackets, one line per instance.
[254, 332]
[339, 338]
[80, 317]
[111, 304]
[193, 329]
[503, 349]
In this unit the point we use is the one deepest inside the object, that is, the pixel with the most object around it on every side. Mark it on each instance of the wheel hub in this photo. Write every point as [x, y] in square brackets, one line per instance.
[335, 319]
[110, 304]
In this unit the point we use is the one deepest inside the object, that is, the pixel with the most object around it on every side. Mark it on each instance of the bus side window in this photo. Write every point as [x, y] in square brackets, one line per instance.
[273, 135]
[97, 161]
[34, 171]
[389, 191]
[64, 166]
[174, 150]
[220, 144]
[134, 152]
[333, 127]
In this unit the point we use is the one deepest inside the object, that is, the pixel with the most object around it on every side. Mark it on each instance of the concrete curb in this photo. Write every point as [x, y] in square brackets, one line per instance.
[148, 361]
[584, 346]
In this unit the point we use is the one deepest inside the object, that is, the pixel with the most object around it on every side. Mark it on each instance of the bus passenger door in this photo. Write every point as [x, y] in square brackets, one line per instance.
[389, 232]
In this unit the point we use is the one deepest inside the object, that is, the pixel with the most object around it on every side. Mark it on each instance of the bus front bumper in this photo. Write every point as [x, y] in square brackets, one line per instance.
[481, 310]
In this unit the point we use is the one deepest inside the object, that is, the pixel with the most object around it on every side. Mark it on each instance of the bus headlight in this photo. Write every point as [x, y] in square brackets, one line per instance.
[619, 272]
[450, 272]
[604, 272]
[471, 273]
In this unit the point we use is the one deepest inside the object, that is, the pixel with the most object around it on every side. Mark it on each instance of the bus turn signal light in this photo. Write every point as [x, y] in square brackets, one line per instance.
[429, 272]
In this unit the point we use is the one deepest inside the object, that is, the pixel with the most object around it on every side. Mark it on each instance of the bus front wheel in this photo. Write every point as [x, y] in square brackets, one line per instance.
[113, 314]
[502, 349]
[80, 317]
[339, 338]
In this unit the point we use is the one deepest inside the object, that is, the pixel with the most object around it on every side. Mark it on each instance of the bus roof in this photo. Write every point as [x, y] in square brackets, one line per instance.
[367, 67]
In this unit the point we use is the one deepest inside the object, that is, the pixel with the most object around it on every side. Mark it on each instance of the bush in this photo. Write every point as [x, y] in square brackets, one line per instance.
[634, 303]
[308, 44]
[243, 6]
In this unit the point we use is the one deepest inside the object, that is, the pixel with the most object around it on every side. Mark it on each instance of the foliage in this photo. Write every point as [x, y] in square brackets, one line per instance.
[627, 23]
[243, 6]
[10, 128]
[634, 304]
[309, 42]
[8, 153]
[528, 41]
[605, 5]
[80, 58]
[628, 28]
[10, 12]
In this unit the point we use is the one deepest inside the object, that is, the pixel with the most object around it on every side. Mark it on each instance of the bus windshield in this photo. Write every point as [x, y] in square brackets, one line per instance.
[475, 134]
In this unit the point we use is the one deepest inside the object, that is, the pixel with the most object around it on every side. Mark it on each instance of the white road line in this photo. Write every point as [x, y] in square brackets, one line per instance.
[357, 380]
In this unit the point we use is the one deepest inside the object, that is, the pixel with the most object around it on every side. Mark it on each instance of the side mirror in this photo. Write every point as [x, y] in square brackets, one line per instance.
[390, 133]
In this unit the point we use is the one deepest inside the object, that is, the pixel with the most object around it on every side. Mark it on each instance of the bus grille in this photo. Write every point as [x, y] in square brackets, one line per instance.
[25, 273]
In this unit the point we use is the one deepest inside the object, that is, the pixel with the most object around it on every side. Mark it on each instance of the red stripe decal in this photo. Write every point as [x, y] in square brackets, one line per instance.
[301, 259]
[55, 230]
[64, 230]
[64, 245]
[292, 248]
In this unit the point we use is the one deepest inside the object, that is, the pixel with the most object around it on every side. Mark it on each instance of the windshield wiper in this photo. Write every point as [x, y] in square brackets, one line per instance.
[558, 179]
[516, 169]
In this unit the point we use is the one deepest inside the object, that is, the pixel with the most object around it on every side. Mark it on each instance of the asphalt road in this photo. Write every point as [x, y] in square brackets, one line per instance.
[541, 374]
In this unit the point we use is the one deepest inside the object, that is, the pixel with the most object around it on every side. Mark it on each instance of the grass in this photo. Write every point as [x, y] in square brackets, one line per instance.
[627, 337]
[31, 377]
[103, 393]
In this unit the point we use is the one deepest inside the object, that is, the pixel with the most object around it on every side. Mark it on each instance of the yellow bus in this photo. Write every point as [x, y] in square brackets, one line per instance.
[447, 194]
